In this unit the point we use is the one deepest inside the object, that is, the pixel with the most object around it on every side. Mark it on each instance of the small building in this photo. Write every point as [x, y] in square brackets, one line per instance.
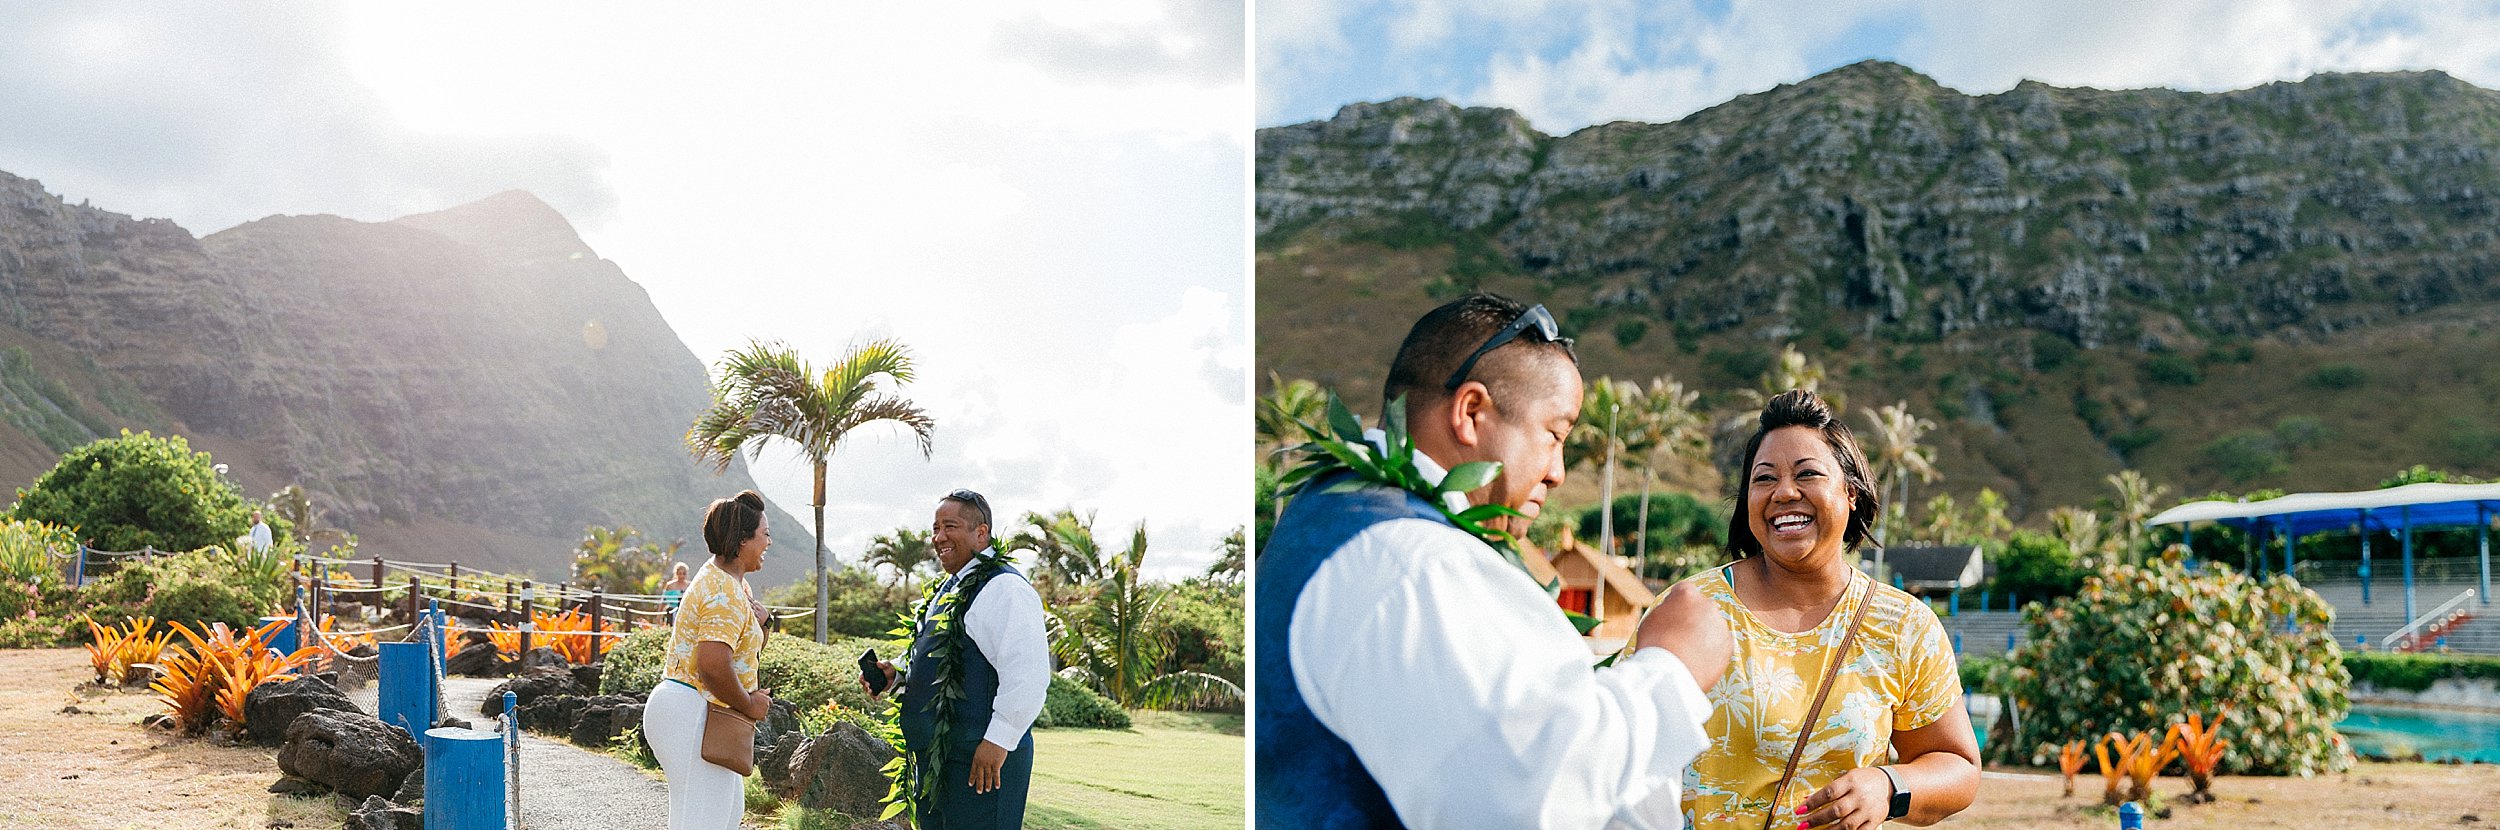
[1595, 584]
[1936, 569]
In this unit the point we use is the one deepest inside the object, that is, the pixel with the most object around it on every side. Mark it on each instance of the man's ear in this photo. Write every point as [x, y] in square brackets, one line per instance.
[1467, 410]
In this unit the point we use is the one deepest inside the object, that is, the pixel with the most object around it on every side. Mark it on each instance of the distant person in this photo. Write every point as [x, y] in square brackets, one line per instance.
[985, 766]
[262, 539]
[1409, 674]
[1812, 642]
[673, 591]
[713, 651]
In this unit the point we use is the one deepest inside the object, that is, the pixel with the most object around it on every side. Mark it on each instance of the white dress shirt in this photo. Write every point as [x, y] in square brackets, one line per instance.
[1472, 701]
[1005, 622]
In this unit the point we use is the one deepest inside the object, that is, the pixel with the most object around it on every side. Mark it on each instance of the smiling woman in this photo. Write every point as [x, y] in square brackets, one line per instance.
[1810, 636]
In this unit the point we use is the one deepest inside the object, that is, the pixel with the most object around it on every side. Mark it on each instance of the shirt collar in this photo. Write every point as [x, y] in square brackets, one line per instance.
[1431, 470]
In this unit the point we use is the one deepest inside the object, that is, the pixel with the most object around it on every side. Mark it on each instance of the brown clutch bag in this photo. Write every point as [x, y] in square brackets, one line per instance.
[729, 740]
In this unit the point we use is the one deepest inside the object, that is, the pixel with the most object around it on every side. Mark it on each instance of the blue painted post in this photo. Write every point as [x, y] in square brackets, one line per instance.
[2288, 536]
[464, 785]
[2405, 516]
[1896, 580]
[1953, 606]
[1983, 601]
[78, 568]
[2482, 534]
[2365, 555]
[2361, 642]
[2441, 643]
[512, 761]
[2009, 641]
[1957, 642]
[406, 690]
[2187, 538]
[284, 640]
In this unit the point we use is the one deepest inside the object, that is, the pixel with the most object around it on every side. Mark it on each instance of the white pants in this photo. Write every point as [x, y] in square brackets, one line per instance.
[701, 795]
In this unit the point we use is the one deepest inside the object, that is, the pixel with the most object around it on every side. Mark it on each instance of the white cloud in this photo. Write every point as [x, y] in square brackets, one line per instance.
[1018, 192]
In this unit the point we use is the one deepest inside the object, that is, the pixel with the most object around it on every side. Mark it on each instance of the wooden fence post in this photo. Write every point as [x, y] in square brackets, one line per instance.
[526, 612]
[413, 607]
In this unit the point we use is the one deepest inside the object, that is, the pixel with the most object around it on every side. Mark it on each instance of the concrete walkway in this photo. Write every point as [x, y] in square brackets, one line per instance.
[563, 787]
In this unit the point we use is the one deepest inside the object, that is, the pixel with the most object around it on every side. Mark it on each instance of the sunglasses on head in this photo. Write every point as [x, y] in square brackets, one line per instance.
[1535, 317]
[971, 498]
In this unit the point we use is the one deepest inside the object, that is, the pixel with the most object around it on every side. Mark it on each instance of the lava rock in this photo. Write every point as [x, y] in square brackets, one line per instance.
[531, 685]
[351, 752]
[272, 706]
[291, 785]
[587, 677]
[478, 661]
[379, 813]
[603, 718]
[843, 769]
[552, 714]
[543, 657]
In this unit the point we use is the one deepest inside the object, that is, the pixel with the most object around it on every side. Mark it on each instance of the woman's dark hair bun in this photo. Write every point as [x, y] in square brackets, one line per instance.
[730, 522]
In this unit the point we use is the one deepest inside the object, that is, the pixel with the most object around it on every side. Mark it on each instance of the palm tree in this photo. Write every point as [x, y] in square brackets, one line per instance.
[1792, 370]
[1673, 427]
[1612, 434]
[2135, 503]
[1065, 553]
[1991, 523]
[1898, 458]
[904, 550]
[1231, 558]
[1288, 405]
[1111, 643]
[2080, 529]
[764, 391]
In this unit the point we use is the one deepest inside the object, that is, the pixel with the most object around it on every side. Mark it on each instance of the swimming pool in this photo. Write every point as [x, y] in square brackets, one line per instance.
[2437, 734]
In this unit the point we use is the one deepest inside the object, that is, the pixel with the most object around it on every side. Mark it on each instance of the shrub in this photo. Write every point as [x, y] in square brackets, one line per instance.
[855, 604]
[2172, 370]
[30, 551]
[1203, 621]
[201, 601]
[1980, 674]
[2247, 454]
[2416, 672]
[41, 632]
[2336, 376]
[796, 669]
[2036, 566]
[1069, 705]
[1630, 330]
[140, 491]
[2138, 648]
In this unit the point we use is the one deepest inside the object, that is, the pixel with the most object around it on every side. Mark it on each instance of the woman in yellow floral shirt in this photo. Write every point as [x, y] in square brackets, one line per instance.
[1787, 605]
[713, 650]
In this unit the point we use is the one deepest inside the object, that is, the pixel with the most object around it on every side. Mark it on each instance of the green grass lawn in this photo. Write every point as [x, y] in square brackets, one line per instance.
[1172, 770]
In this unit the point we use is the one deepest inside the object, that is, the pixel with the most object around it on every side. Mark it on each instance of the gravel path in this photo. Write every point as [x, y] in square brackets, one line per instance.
[563, 787]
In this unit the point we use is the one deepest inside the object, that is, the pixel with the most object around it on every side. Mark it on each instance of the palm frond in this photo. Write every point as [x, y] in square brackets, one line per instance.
[1188, 688]
[894, 409]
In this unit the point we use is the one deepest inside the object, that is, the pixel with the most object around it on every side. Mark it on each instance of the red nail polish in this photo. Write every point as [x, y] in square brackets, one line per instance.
[1801, 809]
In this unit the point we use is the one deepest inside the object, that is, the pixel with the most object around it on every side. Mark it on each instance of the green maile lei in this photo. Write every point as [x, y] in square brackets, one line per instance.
[1341, 448]
[916, 776]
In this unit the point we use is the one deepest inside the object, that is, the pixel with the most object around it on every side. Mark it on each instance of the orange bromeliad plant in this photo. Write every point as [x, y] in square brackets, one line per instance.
[2200, 750]
[218, 672]
[2139, 759]
[117, 650]
[2070, 761]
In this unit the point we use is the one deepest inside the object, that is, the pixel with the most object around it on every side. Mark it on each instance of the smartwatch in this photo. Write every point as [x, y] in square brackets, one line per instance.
[1900, 797]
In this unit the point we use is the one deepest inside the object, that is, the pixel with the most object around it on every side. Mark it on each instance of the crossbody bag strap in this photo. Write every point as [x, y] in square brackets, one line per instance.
[1831, 672]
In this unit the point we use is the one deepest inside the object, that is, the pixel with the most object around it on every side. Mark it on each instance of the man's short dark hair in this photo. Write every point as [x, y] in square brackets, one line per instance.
[974, 502]
[1443, 338]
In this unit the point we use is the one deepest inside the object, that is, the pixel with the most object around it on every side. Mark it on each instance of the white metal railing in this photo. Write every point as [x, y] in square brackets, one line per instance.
[2434, 615]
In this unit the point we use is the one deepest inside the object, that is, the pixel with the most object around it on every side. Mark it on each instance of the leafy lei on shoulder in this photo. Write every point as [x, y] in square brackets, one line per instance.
[916, 775]
[1341, 448]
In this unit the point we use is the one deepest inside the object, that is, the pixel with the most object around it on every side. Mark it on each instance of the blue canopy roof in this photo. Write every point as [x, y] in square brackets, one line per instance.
[2427, 505]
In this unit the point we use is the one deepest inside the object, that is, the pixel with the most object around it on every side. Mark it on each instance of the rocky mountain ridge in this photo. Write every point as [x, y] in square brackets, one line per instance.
[473, 384]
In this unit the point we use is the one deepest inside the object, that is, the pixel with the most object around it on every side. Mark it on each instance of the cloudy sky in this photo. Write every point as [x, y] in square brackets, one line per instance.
[1567, 64]
[1044, 201]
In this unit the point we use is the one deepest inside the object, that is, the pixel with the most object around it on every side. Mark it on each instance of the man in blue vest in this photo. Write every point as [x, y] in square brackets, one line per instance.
[982, 750]
[1411, 676]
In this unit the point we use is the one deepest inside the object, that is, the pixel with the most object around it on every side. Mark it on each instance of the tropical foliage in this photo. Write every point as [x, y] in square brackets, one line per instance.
[1112, 643]
[765, 392]
[219, 669]
[905, 552]
[620, 561]
[140, 491]
[2141, 647]
[116, 652]
[32, 552]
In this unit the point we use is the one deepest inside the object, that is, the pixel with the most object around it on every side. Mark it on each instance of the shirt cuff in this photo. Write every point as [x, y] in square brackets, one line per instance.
[1678, 678]
[1007, 729]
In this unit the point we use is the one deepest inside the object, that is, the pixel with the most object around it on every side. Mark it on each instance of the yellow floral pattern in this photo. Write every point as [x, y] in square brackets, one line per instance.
[1901, 675]
[715, 610]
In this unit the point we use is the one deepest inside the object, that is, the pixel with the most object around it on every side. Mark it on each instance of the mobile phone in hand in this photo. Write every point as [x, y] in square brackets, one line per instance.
[869, 673]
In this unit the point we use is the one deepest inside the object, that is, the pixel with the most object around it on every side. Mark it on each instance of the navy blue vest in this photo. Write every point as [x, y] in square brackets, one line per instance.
[972, 714]
[1307, 777]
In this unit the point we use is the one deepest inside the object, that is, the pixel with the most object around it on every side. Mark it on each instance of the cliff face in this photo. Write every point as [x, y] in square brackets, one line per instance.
[478, 371]
[1951, 249]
